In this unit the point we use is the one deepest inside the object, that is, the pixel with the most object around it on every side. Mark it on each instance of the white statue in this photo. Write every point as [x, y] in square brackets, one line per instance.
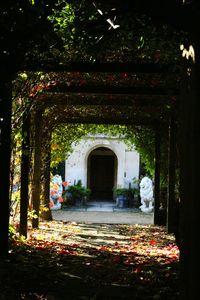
[146, 194]
[56, 190]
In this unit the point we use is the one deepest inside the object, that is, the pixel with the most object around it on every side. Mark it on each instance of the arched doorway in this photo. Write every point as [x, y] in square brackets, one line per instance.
[102, 173]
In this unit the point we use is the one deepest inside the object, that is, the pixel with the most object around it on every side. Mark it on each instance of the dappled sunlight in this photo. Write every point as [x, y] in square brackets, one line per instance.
[85, 259]
[188, 53]
[146, 240]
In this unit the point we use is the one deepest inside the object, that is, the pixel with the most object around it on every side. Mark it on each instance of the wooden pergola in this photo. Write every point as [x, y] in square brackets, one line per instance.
[111, 103]
[161, 106]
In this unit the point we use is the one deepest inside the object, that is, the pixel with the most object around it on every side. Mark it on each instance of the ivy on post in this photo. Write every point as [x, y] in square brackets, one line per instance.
[25, 166]
[46, 212]
[36, 181]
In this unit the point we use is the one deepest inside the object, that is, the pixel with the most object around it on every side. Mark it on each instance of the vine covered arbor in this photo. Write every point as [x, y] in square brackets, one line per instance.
[134, 64]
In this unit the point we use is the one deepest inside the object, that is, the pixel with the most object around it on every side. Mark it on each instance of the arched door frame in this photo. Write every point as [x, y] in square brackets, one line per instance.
[101, 184]
[119, 165]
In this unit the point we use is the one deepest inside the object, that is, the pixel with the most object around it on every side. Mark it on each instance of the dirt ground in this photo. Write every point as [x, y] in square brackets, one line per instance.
[99, 217]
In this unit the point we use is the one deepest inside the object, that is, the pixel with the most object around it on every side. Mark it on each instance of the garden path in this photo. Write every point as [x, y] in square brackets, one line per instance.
[103, 212]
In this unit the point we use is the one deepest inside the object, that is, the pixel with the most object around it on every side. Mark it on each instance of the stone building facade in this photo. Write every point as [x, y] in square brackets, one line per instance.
[102, 163]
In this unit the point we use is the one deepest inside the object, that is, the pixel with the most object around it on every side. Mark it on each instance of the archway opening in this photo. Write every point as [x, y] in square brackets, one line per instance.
[102, 174]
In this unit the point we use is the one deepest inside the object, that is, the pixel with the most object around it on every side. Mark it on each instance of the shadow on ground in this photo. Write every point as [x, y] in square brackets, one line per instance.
[68, 260]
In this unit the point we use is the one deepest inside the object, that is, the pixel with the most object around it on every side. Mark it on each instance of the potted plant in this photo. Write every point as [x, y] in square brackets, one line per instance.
[77, 193]
[123, 196]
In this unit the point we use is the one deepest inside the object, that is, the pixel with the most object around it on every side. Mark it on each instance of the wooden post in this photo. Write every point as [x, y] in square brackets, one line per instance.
[47, 215]
[190, 176]
[171, 207]
[5, 158]
[157, 178]
[36, 183]
[25, 168]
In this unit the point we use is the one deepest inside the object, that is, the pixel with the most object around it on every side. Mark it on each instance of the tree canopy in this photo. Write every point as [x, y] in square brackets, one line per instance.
[85, 31]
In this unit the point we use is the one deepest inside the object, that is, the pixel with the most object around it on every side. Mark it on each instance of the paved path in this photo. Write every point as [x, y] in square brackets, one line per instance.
[104, 215]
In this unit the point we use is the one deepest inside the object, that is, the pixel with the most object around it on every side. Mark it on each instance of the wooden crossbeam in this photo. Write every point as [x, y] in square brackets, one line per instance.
[113, 67]
[109, 121]
[113, 90]
[116, 100]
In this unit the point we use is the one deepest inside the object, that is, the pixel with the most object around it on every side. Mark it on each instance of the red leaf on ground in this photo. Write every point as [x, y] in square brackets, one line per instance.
[153, 242]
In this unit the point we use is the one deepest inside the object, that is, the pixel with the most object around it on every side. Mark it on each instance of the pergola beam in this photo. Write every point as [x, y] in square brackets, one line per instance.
[117, 100]
[113, 67]
[110, 121]
[112, 90]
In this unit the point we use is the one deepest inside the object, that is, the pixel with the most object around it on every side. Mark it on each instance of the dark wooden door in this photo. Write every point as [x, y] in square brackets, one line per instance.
[101, 177]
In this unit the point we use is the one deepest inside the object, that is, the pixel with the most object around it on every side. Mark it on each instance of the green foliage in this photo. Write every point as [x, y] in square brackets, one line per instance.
[69, 21]
[32, 214]
[11, 232]
[65, 135]
[143, 139]
[87, 30]
[77, 191]
[127, 192]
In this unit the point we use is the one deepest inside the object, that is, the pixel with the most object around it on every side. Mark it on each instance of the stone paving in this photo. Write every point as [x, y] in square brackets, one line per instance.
[103, 212]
